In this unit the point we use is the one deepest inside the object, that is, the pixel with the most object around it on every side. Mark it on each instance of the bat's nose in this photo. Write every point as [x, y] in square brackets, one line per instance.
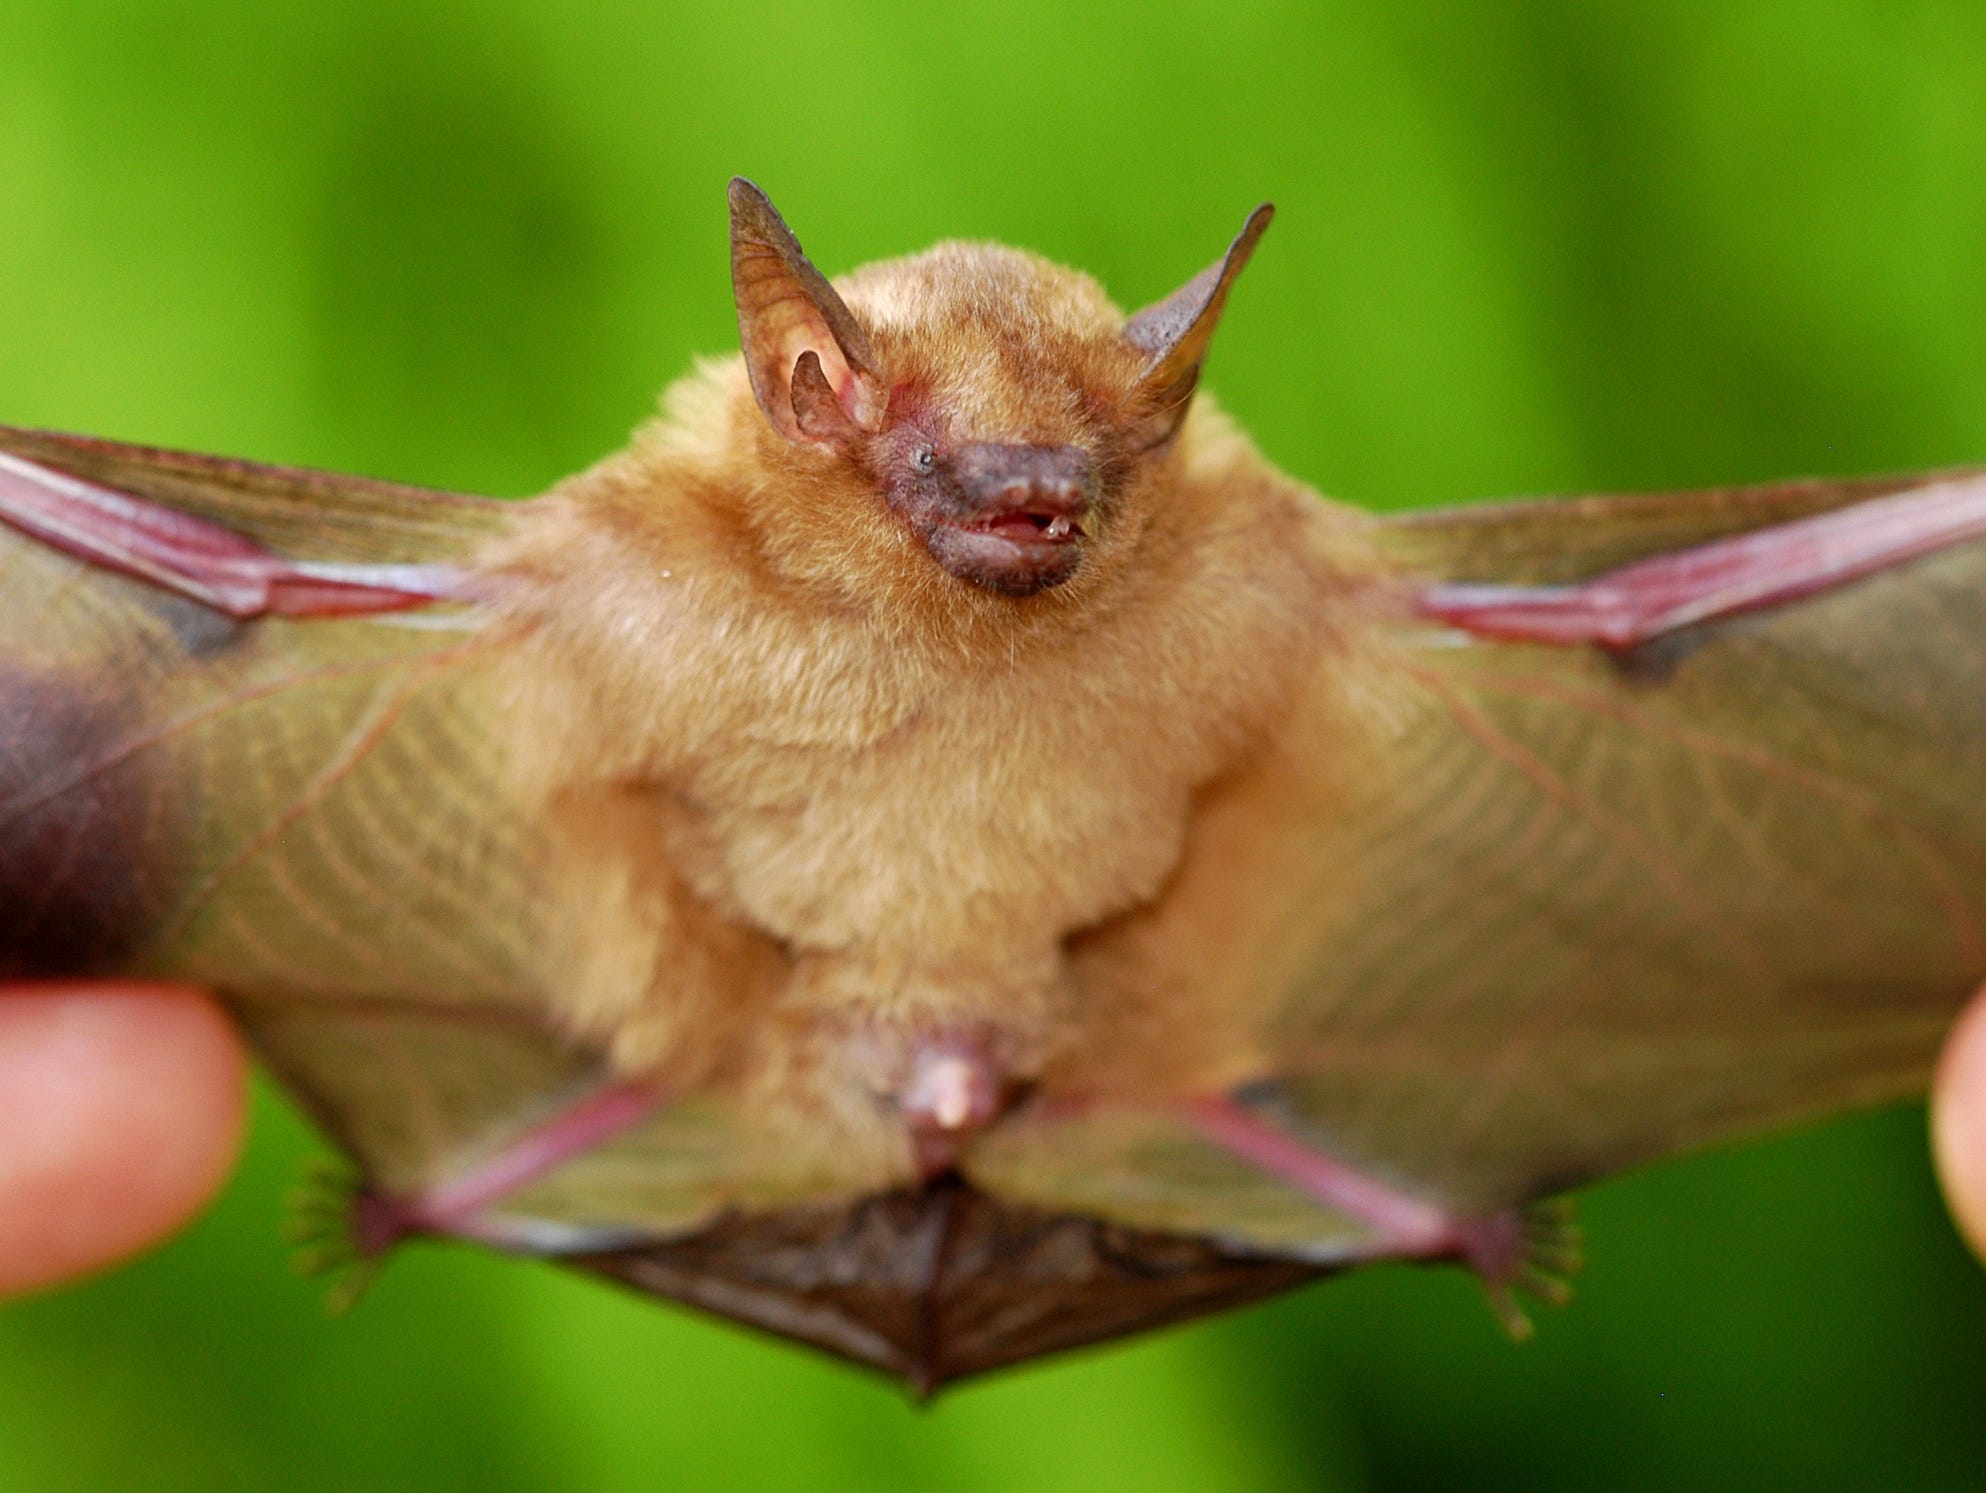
[1050, 480]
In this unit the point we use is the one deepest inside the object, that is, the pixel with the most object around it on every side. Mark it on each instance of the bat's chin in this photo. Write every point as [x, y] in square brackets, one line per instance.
[1015, 554]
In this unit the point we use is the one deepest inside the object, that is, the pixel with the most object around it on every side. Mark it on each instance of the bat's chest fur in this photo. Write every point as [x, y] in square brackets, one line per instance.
[991, 818]
[868, 857]
[918, 865]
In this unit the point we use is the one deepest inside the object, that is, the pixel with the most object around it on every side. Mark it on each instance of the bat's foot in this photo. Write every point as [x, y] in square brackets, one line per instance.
[1532, 1250]
[327, 1220]
[345, 1226]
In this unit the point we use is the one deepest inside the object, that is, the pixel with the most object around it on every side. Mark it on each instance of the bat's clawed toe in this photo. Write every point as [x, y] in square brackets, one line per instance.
[342, 1230]
[1531, 1251]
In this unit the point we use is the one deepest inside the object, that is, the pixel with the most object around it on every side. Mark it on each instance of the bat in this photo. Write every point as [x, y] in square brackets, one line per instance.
[941, 851]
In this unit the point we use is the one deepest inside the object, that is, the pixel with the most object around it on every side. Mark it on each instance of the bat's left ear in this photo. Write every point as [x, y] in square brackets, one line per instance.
[809, 360]
[1176, 333]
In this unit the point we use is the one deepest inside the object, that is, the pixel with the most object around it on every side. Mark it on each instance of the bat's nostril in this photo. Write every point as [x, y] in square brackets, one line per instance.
[999, 476]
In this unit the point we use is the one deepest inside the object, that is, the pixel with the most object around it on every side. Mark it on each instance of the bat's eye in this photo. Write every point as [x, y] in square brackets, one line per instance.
[923, 459]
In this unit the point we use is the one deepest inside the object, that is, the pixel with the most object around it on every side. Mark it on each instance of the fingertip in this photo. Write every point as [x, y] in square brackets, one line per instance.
[1958, 1124]
[121, 1113]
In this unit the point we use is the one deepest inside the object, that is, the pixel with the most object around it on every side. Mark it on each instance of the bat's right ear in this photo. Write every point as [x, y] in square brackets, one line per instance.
[810, 362]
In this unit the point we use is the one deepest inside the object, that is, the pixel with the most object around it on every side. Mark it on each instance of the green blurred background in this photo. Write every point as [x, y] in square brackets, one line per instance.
[1523, 247]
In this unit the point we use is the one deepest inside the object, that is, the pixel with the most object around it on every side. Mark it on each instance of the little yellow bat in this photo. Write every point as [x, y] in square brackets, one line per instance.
[941, 851]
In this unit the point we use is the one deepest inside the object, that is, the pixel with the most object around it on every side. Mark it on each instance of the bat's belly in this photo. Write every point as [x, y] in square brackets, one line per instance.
[924, 906]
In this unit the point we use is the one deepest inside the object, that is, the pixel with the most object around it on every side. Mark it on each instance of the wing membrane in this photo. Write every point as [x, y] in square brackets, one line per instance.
[1565, 911]
[312, 818]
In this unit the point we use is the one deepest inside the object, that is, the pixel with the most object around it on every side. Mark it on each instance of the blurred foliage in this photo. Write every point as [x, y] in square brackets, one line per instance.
[1528, 245]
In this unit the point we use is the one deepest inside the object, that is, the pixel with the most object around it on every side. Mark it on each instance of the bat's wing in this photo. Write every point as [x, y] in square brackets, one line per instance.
[248, 741]
[299, 813]
[1572, 905]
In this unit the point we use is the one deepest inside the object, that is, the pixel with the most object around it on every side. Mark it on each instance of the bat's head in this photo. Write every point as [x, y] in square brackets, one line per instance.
[991, 406]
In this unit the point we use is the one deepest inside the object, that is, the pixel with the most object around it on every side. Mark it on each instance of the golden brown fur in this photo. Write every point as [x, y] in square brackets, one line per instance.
[818, 799]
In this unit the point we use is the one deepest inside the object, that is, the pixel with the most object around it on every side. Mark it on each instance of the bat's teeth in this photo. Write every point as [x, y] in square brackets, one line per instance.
[1059, 527]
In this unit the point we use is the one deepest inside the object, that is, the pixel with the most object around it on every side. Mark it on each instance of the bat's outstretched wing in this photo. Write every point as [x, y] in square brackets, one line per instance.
[301, 813]
[251, 738]
[1588, 891]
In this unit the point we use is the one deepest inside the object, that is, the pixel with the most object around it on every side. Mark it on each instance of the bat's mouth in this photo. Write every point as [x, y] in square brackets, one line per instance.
[1028, 526]
[1016, 552]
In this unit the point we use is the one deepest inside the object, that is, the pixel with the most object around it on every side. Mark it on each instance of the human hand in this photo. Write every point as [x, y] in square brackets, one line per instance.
[121, 1111]
[1958, 1123]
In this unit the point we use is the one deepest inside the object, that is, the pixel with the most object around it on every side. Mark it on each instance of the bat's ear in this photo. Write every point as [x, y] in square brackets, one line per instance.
[809, 360]
[1175, 334]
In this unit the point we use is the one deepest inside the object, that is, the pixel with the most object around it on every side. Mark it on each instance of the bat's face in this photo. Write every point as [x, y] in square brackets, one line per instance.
[1010, 516]
[996, 407]
[1004, 447]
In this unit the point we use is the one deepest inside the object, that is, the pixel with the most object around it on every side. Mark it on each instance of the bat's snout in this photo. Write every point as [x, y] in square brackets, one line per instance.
[1025, 482]
[1019, 515]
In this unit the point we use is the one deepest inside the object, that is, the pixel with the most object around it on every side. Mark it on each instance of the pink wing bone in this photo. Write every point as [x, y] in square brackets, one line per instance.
[1642, 601]
[1408, 1227]
[458, 1205]
[199, 559]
